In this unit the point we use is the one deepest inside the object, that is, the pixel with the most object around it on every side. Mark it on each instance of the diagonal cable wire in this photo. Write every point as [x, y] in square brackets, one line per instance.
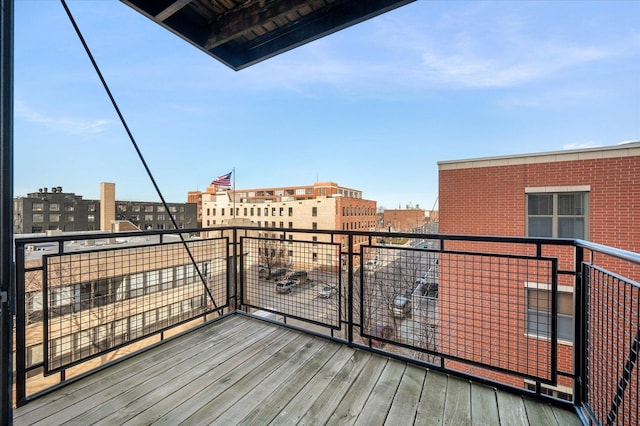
[135, 146]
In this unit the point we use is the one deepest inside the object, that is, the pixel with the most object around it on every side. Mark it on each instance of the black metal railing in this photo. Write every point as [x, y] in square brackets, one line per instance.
[611, 335]
[554, 319]
[84, 298]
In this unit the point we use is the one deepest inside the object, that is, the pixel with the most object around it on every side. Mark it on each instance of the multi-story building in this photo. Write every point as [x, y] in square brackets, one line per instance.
[407, 220]
[146, 215]
[591, 194]
[195, 197]
[54, 210]
[321, 206]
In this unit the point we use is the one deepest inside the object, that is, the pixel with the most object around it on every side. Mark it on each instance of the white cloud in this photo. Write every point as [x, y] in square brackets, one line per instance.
[581, 145]
[75, 126]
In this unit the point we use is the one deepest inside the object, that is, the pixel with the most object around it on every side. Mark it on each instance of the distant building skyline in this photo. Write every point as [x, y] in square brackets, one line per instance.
[58, 211]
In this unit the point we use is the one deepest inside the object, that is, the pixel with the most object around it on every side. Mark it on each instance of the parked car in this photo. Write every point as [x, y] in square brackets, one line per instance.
[371, 265]
[401, 307]
[328, 291]
[285, 286]
[300, 276]
[422, 278]
[262, 271]
[278, 273]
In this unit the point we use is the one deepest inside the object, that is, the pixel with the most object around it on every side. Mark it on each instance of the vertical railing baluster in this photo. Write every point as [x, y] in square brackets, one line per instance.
[580, 314]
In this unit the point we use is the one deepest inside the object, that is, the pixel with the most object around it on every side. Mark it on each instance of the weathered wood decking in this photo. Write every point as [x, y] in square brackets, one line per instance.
[244, 371]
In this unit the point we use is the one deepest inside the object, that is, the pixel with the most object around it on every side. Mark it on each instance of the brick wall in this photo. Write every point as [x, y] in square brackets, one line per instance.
[488, 197]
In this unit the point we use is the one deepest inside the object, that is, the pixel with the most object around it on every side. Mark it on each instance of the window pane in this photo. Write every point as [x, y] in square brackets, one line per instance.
[565, 327]
[538, 300]
[565, 303]
[571, 227]
[571, 204]
[540, 227]
[538, 323]
[540, 204]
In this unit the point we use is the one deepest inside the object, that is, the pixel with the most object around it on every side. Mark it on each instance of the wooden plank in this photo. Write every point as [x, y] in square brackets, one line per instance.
[267, 360]
[352, 403]
[107, 383]
[539, 413]
[164, 403]
[511, 409]
[137, 399]
[484, 405]
[239, 370]
[566, 417]
[159, 375]
[405, 403]
[431, 406]
[230, 407]
[457, 407]
[286, 403]
[326, 402]
[377, 406]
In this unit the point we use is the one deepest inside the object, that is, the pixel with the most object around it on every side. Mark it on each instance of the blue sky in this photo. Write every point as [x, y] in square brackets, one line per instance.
[373, 107]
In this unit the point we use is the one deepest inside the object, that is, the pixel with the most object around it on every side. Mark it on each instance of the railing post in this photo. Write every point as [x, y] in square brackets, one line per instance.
[21, 324]
[237, 280]
[350, 290]
[580, 315]
[6, 210]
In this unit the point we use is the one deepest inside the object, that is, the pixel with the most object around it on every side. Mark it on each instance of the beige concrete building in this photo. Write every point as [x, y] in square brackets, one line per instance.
[322, 206]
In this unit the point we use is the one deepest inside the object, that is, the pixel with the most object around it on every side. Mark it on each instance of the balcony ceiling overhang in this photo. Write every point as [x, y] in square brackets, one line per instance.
[240, 33]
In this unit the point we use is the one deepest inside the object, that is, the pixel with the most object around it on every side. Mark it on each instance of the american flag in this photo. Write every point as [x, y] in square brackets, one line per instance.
[224, 180]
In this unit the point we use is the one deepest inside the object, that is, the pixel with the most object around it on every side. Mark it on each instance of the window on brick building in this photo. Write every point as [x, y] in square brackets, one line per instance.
[557, 215]
[538, 302]
[560, 392]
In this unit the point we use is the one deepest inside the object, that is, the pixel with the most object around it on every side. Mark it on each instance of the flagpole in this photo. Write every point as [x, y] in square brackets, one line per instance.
[234, 193]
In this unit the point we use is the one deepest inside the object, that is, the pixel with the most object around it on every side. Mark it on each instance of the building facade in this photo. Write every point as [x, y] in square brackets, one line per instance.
[591, 194]
[322, 206]
[51, 210]
[405, 220]
[54, 210]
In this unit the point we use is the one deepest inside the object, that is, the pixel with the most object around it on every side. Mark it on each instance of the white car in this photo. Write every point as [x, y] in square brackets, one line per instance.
[328, 291]
[422, 279]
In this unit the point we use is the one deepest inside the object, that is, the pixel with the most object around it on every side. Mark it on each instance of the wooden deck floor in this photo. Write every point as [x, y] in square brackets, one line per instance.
[243, 371]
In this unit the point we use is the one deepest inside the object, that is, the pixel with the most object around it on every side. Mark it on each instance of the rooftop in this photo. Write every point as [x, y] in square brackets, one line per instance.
[621, 150]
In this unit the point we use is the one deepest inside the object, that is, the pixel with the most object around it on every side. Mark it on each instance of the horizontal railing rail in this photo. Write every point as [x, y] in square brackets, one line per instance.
[517, 313]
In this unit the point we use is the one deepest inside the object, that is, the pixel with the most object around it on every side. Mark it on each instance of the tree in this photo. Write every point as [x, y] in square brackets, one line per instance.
[271, 254]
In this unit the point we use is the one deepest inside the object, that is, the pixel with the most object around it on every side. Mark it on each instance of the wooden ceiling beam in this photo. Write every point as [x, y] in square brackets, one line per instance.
[249, 16]
[170, 10]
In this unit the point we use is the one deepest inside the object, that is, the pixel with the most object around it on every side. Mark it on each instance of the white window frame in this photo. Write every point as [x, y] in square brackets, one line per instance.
[556, 190]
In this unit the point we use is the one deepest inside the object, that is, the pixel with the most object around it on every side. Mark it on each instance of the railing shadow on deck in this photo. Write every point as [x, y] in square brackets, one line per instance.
[553, 319]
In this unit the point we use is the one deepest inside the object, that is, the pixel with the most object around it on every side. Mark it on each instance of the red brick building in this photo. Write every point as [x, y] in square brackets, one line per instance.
[591, 194]
[404, 219]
